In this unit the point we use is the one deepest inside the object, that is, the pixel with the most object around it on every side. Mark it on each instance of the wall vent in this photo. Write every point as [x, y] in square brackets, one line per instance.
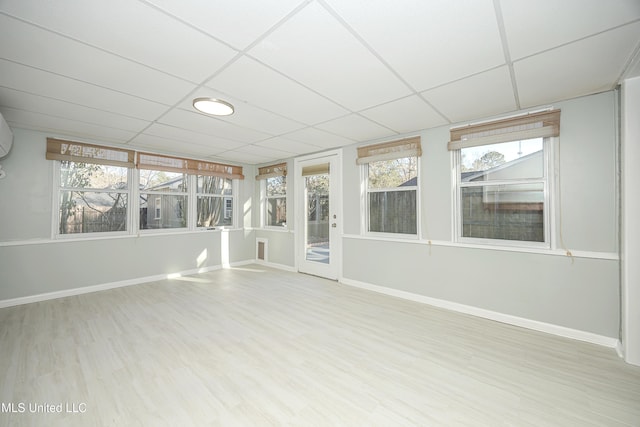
[261, 249]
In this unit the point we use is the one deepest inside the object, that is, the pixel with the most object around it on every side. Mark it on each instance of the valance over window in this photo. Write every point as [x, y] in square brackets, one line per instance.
[272, 171]
[408, 147]
[533, 125]
[59, 149]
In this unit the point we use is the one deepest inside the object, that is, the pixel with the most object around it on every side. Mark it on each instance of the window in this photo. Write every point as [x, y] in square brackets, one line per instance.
[92, 198]
[391, 174]
[503, 186]
[274, 194]
[94, 190]
[392, 187]
[163, 199]
[215, 201]
[92, 187]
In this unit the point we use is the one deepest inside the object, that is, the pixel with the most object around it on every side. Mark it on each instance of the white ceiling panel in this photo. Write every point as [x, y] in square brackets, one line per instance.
[158, 41]
[202, 123]
[319, 138]
[61, 126]
[428, 42]
[335, 62]
[288, 145]
[246, 115]
[194, 138]
[34, 81]
[163, 144]
[246, 157]
[482, 95]
[355, 127]
[256, 84]
[552, 23]
[40, 104]
[239, 23]
[587, 66]
[405, 115]
[32, 46]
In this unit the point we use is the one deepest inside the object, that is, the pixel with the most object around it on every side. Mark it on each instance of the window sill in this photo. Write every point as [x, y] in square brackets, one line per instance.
[540, 251]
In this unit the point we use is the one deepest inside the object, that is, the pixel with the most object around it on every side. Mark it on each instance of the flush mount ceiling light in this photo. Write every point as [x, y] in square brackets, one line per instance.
[212, 106]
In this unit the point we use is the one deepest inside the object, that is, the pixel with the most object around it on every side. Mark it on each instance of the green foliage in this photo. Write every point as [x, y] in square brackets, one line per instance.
[392, 173]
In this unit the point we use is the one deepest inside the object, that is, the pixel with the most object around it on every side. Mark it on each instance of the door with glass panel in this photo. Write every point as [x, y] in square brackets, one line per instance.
[318, 216]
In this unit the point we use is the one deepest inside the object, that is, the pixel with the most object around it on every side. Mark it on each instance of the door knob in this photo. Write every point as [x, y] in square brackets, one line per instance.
[334, 225]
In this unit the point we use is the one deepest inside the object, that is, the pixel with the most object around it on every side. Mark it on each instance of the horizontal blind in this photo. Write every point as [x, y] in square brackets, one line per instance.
[321, 169]
[272, 171]
[533, 125]
[407, 147]
[162, 163]
[59, 149]
[188, 166]
[200, 167]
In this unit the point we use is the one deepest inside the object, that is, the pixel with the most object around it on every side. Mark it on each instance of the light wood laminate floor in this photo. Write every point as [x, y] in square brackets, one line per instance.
[260, 347]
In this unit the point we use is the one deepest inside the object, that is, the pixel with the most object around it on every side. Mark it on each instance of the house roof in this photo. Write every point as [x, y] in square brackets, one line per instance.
[303, 75]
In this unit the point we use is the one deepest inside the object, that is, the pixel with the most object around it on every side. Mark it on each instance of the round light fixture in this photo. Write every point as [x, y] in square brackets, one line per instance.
[212, 106]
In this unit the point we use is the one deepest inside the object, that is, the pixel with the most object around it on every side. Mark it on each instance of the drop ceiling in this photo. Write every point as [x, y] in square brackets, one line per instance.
[303, 76]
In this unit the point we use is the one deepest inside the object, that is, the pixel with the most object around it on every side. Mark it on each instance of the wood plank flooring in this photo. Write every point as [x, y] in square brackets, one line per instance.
[259, 347]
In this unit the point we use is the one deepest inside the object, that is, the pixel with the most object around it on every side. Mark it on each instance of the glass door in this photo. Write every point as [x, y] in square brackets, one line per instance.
[317, 207]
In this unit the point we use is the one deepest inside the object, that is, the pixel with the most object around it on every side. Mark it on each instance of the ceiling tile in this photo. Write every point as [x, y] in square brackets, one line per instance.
[549, 23]
[319, 138]
[195, 138]
[162, 144]
[64, 127]
[39, 104]
[481, 95]
[143, 34]
[588, 66]
[246, 157]
[239, 23]
[356, 127]
[256, 84]
[428, 42]
[31, 80]
[405, 115]
[32, 46]
[208, 125]
[288, 145]
[246, 115]
[339, 67]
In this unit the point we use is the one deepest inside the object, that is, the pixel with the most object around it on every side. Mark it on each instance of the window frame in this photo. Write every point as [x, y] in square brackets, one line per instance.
[194, 204]
[264, 202]
[548, 180]
[365, 203]
[155, 194]
[57, 192]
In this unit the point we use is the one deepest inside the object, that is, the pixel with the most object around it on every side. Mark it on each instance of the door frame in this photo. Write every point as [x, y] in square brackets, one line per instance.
[333, 270]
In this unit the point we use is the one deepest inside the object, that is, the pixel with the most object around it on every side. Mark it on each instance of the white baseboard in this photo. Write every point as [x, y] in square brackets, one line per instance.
[491, 315]
[105, 286]
[276, 265]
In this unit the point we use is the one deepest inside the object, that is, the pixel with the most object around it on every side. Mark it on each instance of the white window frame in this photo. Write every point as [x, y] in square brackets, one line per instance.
[161, 193]
[365, 204]
[234, 207]
[548, 180]
[55, 217]
[264, 203]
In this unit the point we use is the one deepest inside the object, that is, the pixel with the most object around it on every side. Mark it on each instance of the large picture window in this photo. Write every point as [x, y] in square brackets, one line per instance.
[503, 185]
[391, 183]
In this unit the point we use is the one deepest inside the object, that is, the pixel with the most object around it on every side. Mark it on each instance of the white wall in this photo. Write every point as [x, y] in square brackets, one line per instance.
[31, 263]
[631, 219]
[581, 294]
